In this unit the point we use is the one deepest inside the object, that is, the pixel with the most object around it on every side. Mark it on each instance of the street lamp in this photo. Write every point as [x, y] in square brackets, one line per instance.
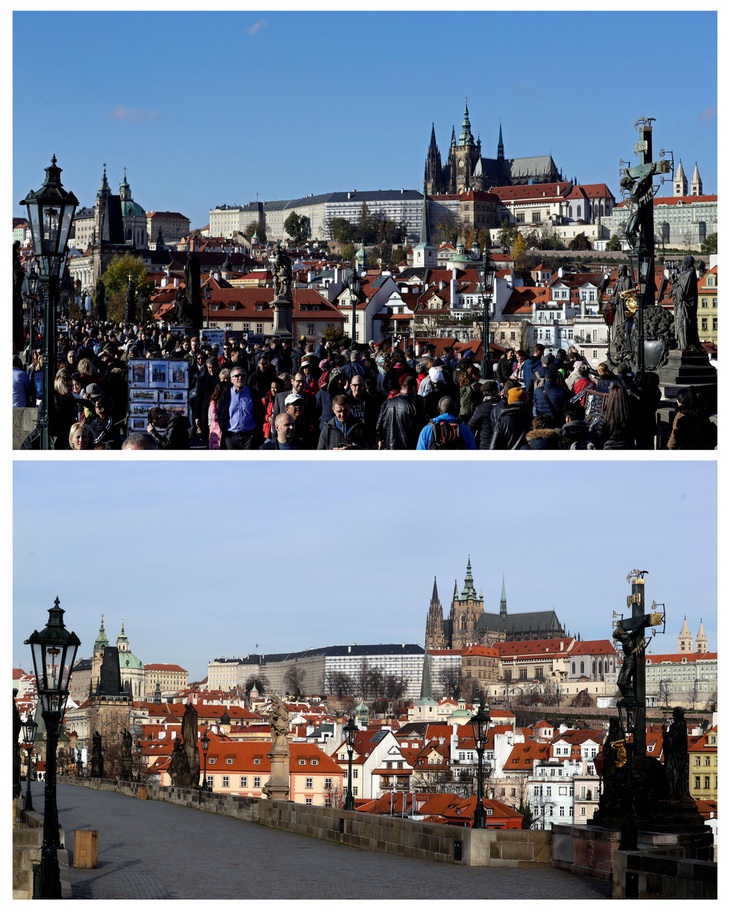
[205, 746]
[355, 289]
[488, 272]
[30, 727]
[480, 728]
[350, 731]
[138, 748]
[208, 295]
[50, 214]
[54, 652]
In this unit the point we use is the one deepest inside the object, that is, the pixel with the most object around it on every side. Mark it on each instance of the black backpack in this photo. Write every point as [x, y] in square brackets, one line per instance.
[446, 435]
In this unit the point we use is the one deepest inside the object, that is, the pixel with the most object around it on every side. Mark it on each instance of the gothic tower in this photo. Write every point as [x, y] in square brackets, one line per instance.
[462, 157]
[465, 613]
[433, 179]
[435, 637]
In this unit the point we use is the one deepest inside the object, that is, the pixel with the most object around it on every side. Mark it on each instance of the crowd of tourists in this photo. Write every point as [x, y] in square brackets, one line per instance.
[294, 395]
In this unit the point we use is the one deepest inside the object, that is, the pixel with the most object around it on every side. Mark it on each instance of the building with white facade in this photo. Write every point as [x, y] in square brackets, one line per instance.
[399, 206]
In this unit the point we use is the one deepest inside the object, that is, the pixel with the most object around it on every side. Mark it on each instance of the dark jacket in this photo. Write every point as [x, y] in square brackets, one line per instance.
[542, 439]
[354, 435]
[176, 436]
[400, 421]
[550, 399]
[576, 435]
[481, 422]
[510, 429]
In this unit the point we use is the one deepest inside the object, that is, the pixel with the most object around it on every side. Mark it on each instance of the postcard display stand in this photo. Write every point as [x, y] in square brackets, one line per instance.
[156, 382]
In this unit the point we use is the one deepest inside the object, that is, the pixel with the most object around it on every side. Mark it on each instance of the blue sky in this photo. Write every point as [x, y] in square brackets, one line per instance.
[208, 560]
[206, 108]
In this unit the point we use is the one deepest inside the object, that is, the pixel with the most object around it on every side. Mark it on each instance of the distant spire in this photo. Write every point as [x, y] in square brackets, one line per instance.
[500, 145]
[426, 688]
[469, 591]
[503, 601]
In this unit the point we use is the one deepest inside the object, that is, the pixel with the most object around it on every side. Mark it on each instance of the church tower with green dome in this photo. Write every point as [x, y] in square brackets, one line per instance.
[133, 216]
[130, 667]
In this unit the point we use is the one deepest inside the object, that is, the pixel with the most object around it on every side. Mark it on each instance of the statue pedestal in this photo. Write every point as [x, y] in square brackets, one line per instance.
[277, 788]
[283, 308]
[689, 369]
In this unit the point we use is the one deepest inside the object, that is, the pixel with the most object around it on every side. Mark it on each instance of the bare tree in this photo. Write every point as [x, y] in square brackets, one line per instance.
[339, 684]
[294, 680]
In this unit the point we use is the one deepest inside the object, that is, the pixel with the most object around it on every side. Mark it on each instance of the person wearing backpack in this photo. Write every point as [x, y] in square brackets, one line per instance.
[445, 431]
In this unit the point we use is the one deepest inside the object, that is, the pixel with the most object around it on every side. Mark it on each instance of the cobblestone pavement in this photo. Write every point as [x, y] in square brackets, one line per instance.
[153, 850]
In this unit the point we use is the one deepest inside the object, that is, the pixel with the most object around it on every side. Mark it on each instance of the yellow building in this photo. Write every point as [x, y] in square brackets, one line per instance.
[703, 766]
[707, 306]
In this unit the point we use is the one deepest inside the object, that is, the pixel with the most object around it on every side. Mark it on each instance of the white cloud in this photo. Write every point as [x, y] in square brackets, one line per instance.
[257, 26]
[122, 112]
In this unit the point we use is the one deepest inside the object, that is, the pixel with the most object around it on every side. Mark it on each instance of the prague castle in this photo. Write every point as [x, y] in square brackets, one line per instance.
[468, 623]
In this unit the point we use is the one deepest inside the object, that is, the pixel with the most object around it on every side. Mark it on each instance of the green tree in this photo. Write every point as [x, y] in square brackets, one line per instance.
[297, 227]
[115, 280]
[336, 335]
[580, 242]
[614, 243]
[340, 230]
[254, 228]
[709, 245]
[507, 234]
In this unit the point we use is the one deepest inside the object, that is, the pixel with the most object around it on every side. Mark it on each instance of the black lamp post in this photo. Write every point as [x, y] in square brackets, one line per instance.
[350, 731]
[50, 214]
[480, 727]
[488, 271]
[205, 746]
[208, 295]
[54, 653]
[79, 763]
[355, 289]
[30, 727]
[138, 748]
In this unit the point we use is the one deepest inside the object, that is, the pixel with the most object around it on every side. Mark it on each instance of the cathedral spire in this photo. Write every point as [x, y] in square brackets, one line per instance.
[469, 591]
[503, 601]
[467, 137]
[500, 145]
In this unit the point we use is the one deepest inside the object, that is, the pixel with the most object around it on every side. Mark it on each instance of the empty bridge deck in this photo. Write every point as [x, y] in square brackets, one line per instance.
[156, 850]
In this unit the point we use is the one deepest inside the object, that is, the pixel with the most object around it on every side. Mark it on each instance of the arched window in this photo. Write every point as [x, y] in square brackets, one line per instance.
[582, 667]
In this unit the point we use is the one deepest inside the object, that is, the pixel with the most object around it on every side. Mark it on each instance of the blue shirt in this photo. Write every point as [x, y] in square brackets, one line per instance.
[240, 412]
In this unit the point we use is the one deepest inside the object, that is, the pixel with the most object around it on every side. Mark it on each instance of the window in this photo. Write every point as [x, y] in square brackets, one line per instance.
[212, 761]
[328, 783]
[257, 761]
[226, 782]
[310, 329]
[210, 782]
[309, 782]
[308, 801]
[229, 761]
[244, 782]
[302, 762]
[257, 782]
[259, 329]
[707, 782]
[355, 774]
[314, 761]
[520, 218]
